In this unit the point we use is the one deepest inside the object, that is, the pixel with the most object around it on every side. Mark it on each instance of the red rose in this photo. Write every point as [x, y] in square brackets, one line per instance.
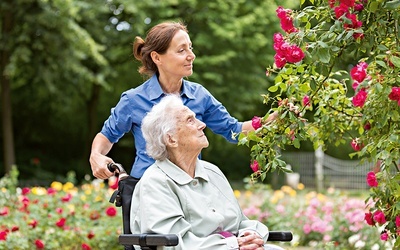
[369, 219]
[256, 122]
[356, 145]
[25, 190]
[66, 198]
[61, 222]
[39, 244]
[90, 235]
[349, 3]
[33, 223]
[341, 10]
[306, 101]
[86, 246]
[280, 61]
[384, 236]
[371, 179]
[379, 217]
[3, 235]
[254, 166]
[111, 211]
[395, 94]
[359, 72]
[295, 54]
[397, 221]
[359, 99]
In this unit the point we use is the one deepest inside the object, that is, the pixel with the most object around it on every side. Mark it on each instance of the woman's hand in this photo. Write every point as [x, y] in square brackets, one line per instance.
[250, 241]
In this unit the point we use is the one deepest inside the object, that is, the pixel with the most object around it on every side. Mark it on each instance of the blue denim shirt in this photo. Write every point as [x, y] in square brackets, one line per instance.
[134, 104]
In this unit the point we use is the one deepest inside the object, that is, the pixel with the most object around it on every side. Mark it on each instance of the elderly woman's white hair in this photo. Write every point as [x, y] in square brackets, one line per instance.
[160, 121]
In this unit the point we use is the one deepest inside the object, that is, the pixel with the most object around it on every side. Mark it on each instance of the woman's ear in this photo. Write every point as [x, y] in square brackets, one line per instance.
[155, 57]
[171, 141]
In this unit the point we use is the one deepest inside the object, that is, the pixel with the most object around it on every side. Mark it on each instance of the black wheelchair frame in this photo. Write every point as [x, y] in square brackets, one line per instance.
[147, 241]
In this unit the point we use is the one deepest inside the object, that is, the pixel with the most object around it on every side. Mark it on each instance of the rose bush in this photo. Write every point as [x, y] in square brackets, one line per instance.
[339, 61]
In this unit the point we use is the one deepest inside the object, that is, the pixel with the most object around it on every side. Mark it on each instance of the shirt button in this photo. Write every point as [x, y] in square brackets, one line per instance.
[194, 183]
[213, 209]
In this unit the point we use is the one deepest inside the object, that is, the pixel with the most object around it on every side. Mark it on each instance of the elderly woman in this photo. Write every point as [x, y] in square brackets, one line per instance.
[184, 195]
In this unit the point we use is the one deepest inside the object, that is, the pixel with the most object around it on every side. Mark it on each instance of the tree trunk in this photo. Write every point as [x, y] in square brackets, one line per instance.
[8, 136]
[91, 106]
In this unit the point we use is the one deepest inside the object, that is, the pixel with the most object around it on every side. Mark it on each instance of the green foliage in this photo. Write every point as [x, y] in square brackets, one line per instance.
[71, 60]
[370, 37]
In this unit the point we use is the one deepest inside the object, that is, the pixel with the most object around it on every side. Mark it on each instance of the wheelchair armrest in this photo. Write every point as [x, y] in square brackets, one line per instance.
[172, 239]
[149, 239]
[280, 236]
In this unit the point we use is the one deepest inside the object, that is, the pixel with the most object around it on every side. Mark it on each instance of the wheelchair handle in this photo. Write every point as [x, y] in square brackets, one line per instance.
[118, 170]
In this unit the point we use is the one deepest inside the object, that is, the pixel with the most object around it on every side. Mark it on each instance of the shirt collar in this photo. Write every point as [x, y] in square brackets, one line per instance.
[155, 90]
[178, 175]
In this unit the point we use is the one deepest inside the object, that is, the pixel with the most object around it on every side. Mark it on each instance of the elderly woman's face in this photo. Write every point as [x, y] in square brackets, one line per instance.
[189, 131]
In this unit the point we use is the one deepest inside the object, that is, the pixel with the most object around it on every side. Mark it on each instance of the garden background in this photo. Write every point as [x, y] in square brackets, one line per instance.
[64, 64]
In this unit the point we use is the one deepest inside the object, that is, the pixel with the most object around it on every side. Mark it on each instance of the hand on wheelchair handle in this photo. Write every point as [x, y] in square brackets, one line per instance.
[118, 170]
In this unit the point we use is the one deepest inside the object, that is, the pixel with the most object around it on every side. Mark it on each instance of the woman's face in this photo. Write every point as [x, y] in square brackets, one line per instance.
[189, 131]
[178, 59]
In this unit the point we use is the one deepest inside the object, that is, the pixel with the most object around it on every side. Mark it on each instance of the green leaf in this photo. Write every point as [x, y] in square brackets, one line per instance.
[273, 89]
[396, 61]
[392, 5]
[323, 55]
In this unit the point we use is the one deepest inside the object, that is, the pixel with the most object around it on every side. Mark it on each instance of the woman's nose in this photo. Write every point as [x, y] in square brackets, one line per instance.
[191, 55]
[201, 125]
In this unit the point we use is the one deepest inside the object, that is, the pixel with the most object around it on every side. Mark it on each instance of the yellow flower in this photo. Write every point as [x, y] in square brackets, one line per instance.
[248, 193]
[237, 193]
[4, 189]
[56, 185]
[68, 186]
[83, 197]
[98, 198]
[71, 208]
[300, 186]
[39, 191]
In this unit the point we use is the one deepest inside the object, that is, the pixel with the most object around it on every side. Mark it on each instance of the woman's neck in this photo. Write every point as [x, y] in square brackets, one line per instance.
[185, 162]
[170, 85]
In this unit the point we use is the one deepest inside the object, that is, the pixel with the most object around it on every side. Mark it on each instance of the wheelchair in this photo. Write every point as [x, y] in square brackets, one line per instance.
[147, 241]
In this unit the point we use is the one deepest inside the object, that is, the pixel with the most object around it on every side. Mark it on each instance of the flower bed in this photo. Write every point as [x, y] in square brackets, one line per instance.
[334, 220]
[64, 216]
[61, 216]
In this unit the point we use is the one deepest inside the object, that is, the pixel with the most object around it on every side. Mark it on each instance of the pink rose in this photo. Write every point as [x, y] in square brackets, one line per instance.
[256, 122]
[359, 99]
[254, 166]
[379, 217]
[371, 179]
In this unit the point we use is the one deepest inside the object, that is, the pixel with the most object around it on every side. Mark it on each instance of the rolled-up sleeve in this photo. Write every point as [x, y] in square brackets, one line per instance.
[120, 120]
